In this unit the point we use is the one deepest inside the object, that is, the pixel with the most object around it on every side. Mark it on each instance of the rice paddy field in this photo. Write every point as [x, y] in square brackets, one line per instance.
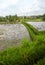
[22, 44]
[12, 35]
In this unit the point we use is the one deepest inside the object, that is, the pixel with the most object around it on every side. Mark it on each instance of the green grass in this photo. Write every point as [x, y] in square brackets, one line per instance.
[31, 20]
[32, 31]
[28, 52]
[36, 20]
[41, 62]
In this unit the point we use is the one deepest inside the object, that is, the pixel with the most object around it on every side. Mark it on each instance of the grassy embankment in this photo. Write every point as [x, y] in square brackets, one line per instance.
[33, 20]
[29, 52]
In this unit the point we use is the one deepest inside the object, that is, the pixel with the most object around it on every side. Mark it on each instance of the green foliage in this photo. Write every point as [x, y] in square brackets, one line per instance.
[41, 62]
[15, 19]
[9, 19]
[43, 18]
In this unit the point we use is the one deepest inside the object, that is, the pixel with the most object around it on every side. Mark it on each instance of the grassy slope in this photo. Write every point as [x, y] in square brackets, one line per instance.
[28, 53]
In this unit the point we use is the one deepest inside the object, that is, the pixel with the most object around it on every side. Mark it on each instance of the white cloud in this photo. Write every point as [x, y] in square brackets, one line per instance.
[6, 3]
[21, 7]
[34, 6]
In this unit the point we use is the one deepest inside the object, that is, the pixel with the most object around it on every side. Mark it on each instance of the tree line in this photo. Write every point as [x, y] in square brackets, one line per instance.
[16, 18]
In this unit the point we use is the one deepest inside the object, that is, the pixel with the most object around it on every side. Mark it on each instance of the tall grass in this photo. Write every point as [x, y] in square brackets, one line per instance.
[28, 53]
[32, 31]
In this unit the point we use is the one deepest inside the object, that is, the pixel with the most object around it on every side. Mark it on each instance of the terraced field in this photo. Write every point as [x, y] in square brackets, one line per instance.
[29, 52]
[12, 35]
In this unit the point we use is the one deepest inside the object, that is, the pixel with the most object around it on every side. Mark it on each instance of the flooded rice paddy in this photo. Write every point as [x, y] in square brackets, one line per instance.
[12, 34]
[38, 25]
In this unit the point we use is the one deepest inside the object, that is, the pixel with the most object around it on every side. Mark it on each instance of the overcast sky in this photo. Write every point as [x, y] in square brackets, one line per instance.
[22, 7]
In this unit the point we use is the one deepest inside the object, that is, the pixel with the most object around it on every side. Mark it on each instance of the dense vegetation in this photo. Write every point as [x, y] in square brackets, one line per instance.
[16, 19]
[29, 52]
[9, 19]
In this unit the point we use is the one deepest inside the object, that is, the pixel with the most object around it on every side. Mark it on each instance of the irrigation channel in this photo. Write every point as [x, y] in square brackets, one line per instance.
[12, 34]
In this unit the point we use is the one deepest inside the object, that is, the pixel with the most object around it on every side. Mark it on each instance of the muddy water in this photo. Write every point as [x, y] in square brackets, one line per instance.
[38, 25]
[12, 34]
